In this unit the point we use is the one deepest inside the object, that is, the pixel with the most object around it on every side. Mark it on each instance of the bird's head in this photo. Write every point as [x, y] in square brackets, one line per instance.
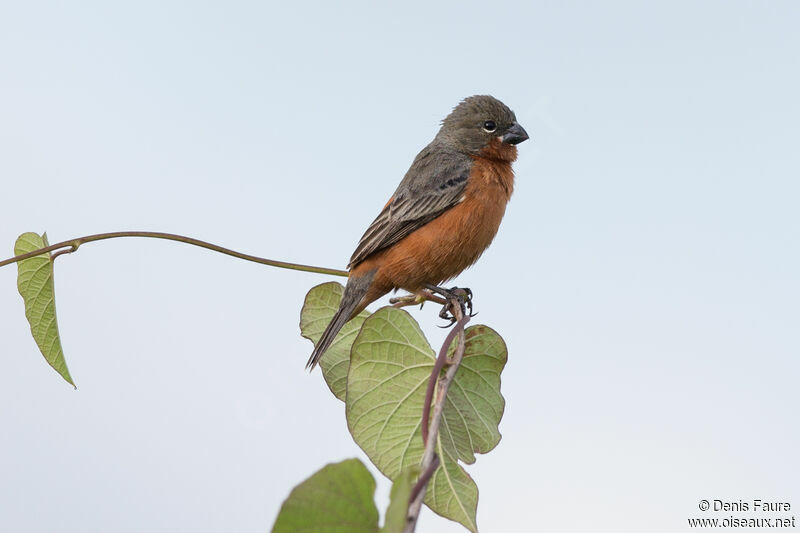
[482, 126]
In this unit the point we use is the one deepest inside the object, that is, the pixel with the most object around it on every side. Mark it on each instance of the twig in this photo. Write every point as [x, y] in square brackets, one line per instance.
[422, 482]
[437, 369]
[73, 244]
[417, 298]
[430, 461]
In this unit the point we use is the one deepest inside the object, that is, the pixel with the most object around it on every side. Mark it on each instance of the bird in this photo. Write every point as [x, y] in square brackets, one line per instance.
[443, 215]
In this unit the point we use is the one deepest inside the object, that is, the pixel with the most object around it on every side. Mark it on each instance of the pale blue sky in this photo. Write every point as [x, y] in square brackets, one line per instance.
[645, 277]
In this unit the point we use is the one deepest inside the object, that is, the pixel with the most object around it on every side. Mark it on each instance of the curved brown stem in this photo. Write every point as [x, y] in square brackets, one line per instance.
[430, 461]
[437, 369]
[424, 477]
[73, 245]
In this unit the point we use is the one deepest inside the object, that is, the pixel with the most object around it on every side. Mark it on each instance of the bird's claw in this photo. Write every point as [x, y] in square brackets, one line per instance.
[456, 295]
[445, 314]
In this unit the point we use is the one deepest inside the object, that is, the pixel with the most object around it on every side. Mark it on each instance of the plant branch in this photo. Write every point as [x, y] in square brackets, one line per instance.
[430, 461]
[73, 244]
[437, 369]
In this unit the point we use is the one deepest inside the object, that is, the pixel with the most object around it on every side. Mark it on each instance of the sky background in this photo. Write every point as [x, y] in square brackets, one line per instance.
[645, 278]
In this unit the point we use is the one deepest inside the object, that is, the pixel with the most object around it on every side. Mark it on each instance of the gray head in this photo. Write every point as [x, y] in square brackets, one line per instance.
[476, 122]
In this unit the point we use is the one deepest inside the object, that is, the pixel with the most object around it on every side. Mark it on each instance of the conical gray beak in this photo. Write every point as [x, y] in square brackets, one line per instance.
[515, 134]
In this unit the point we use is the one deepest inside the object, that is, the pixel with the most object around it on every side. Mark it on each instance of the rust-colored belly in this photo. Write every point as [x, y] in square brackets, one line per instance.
[450, 243]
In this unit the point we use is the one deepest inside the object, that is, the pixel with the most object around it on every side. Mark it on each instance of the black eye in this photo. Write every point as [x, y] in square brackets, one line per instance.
[489, 126]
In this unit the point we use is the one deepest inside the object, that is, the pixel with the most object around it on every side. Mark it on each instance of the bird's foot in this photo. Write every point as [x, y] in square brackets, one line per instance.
[461, 297]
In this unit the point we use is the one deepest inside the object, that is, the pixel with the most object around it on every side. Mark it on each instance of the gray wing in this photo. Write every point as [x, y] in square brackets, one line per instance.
[434, 183]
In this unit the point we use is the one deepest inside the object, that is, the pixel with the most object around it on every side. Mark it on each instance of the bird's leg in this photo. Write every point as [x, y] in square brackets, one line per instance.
[419, 297]
[454, 296]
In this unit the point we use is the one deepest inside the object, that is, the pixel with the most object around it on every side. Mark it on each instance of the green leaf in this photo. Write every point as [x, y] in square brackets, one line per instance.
[321, 303]
[35, 284]
[397, 512]
[339, 498]
[390, 365]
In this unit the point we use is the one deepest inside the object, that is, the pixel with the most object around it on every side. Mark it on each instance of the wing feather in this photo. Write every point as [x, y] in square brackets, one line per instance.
[422, 196]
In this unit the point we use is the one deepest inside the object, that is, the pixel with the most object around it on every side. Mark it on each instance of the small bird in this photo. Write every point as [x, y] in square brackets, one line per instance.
[443, 215]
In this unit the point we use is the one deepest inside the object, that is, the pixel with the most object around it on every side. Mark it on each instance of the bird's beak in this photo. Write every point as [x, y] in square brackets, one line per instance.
[515, 135]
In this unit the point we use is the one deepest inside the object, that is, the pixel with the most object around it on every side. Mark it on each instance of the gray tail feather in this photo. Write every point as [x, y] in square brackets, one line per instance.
[353, 293]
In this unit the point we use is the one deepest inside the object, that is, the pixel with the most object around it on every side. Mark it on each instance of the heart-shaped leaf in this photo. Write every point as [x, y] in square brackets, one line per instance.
[339, 498]
[391, 362]
[321, 303]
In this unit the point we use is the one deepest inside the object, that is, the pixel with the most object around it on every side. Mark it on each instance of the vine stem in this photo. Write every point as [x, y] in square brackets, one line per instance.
[73, 244]
[438, 384]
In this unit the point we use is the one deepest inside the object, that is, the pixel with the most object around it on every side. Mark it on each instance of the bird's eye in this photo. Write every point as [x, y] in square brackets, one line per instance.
[489, 126]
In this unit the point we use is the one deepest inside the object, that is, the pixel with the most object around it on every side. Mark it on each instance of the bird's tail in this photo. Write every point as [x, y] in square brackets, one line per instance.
[353, 295]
